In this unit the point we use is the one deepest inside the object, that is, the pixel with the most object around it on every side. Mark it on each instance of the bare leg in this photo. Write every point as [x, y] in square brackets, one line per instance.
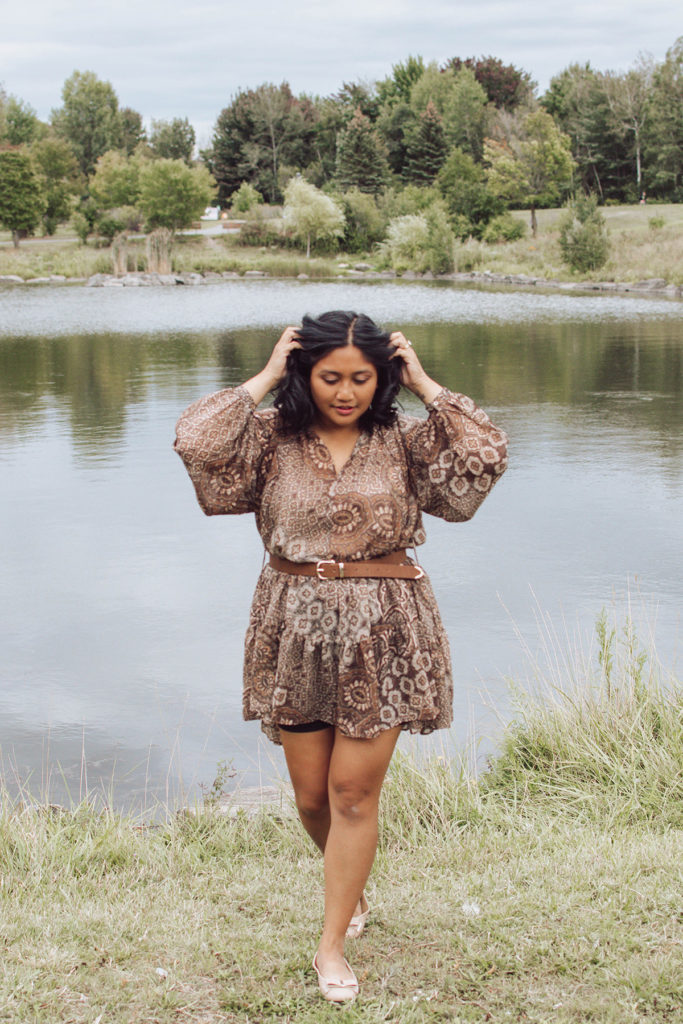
[356, 773]
[308, 761]
[308, 757]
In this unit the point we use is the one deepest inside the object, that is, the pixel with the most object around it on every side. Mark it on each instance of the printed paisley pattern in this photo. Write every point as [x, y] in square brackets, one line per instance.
[365, 655]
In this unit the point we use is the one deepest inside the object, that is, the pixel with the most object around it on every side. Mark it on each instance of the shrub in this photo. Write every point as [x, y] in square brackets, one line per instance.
[309, 215]
[440, 241]
[114, 222]
[583, 236]
[468, 255]
[655, 223]
[81, 226]
[504, 228]
[364, 222]
[406, 239]
[245, 197]
[259, 228]
[395, 202]
[420, 241]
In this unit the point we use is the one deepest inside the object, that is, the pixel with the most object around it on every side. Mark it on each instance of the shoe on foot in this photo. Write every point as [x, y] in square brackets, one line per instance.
[357, 922]
[337, 990]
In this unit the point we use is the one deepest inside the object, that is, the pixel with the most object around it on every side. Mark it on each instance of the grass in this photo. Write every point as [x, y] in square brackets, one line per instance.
[549, 890]
[639, 251]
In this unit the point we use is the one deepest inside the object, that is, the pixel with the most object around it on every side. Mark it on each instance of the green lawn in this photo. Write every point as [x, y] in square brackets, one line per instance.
[548, 890]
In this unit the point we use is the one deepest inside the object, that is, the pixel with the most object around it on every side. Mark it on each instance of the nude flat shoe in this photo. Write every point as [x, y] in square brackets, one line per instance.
[357, 922]
[337, 990]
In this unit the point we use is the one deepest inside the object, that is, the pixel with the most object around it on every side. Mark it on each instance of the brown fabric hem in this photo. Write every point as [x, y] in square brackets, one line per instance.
[414, 726]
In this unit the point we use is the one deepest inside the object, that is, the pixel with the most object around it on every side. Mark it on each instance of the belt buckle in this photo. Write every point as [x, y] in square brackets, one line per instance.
[320, 568]
[420, 571]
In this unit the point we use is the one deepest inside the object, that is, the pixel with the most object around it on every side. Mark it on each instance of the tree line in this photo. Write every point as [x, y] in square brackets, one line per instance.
[452, 146]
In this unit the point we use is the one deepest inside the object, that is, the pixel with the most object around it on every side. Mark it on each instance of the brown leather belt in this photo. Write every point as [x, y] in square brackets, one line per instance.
[392, 566]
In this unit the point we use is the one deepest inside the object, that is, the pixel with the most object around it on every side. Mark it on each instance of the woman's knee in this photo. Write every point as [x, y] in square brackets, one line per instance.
[353, 799]
[312, 802]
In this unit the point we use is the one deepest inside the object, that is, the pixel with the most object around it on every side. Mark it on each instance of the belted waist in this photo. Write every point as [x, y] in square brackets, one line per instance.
[393, 566]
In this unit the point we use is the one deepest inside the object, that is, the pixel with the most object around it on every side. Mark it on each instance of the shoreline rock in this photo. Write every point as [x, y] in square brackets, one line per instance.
[655, 284]
[652, 286]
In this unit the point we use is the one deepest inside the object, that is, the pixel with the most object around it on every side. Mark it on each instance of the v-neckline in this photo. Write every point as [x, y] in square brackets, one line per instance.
[323, 444]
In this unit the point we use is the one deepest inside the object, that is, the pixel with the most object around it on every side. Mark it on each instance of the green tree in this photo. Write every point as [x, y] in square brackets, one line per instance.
[173, 140]
[310, 215]
[133, 132]
[583, 235]
[396, 126]
[361, 157]
[61, 181]
[426, 150]
[628, 96]
[578, 101]
[261, 131]
[89, 118]
[470, 202]
[245, 198]
[116, 181]
[534, 168]
[460, 101]
[357, 95]
[19, 124]
[22, 200]
[173, 195]
[663, 142]
[397, 88]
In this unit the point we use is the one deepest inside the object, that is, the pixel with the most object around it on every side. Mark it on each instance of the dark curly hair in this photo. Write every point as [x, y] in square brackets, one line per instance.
[320, 335]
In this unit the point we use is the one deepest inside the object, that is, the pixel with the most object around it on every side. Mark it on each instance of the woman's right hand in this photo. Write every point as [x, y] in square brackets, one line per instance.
[276, 367]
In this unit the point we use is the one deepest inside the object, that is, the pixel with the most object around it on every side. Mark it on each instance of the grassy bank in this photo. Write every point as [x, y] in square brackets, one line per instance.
[549, 890]
[647, 242]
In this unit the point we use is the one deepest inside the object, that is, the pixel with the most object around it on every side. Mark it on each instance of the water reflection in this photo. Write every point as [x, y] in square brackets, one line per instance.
[123, 609]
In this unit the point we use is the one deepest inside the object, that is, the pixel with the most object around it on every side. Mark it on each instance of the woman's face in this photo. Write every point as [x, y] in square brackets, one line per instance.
[343, 384]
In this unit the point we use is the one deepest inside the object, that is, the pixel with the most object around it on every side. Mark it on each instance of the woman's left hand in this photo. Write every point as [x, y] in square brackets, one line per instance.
[413, 375]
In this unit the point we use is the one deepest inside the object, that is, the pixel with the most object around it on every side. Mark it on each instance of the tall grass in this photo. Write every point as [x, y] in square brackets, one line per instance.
[546, 890]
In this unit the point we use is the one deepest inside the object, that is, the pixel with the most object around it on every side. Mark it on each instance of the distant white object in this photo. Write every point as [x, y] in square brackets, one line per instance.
[211, 213]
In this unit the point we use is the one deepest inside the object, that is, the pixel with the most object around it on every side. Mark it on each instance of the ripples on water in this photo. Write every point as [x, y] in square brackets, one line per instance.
[225, 305]
[122, 609]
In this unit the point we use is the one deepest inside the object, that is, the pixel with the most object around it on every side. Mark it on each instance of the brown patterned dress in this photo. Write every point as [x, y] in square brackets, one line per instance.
[362, 654]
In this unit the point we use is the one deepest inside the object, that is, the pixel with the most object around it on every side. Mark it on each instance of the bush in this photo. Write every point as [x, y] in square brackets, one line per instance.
[364, 223]
[121, 220]
[504, 228]
[400, 202]
[440, 242]
[656, 223]
[311, 216]
[259, 228]
[245, 198]
[468, 255]
[81, 226]
[406, 240]
[583, 236]
[420, 242]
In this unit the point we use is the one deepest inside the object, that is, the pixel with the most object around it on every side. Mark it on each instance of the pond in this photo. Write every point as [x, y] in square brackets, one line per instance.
[123, 609]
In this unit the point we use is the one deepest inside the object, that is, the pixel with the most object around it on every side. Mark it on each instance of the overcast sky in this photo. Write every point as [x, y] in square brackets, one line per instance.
[168, 59]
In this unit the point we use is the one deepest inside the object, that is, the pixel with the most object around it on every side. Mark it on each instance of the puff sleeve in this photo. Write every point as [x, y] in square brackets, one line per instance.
[454, 457]
[224, 444]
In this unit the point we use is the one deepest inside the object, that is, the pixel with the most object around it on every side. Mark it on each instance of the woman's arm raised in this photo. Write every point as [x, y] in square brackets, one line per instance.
[413, 375]
[276, 367]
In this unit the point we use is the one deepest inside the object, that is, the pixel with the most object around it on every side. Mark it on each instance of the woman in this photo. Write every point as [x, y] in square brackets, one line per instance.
[345, 645]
